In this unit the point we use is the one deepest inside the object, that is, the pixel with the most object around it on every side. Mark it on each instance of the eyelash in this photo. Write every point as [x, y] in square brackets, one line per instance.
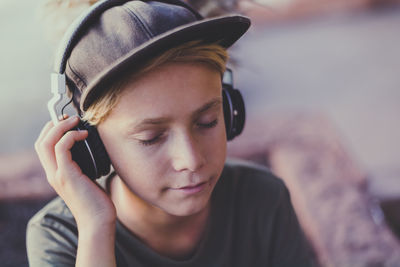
[151, 141]
[208, 125]
[158, 137]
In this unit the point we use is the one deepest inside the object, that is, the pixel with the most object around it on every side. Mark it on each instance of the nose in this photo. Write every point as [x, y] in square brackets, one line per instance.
[186, 153]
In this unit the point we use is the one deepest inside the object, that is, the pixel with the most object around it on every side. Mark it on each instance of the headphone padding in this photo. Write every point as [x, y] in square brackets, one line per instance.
[99, 151]
[83, 153]
[234, 112]
[240, 116]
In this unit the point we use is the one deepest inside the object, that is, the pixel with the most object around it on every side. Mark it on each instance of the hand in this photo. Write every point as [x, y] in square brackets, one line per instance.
[89, 204]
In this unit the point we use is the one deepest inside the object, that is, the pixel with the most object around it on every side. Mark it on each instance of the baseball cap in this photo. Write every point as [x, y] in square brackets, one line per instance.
[125, 34]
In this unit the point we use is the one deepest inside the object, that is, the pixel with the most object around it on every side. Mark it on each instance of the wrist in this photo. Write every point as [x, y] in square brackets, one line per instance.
[96, 220]
[96, 244]
[87, 228]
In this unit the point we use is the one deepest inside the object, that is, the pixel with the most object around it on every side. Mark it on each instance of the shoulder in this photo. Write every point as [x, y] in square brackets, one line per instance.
[52, 235]
[249, 170]
[260, 211]
[252, 181]
[251, 190]
[54, 214]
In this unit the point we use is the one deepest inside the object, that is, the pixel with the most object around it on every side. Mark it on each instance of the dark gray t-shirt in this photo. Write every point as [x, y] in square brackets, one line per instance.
[252, 223]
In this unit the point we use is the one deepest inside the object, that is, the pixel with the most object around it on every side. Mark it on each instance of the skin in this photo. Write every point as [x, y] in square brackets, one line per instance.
[166, 140]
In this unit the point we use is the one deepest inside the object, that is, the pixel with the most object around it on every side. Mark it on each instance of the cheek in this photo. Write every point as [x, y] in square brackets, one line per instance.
[216, 145]
[130, 160]
[132, 163]
[222, 147]
[140, 173]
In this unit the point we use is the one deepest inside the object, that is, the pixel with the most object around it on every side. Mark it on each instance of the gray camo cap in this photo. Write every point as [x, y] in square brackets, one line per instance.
[127, 33]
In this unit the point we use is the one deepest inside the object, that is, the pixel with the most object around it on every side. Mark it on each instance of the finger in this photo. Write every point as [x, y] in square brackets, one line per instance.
[39, 149]
[63, 117]
[45, 147]
[63, 147]
[55, 133]
[44, 131]
[48, 126]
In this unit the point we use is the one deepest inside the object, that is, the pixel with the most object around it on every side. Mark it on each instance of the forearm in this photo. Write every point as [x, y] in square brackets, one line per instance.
[96, 246]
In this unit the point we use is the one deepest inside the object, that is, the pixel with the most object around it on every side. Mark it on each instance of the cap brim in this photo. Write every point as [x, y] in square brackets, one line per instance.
[225, 30]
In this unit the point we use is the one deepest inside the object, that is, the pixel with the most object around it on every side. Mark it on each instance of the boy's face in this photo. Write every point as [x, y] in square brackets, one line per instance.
[166, 137]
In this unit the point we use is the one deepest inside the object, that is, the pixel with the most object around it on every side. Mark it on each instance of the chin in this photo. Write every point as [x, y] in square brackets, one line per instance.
[188, 211]
[192, 204]
[188, 207]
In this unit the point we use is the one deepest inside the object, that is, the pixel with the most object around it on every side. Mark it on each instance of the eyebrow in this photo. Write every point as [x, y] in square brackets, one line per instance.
[211, 104]
[157, 121]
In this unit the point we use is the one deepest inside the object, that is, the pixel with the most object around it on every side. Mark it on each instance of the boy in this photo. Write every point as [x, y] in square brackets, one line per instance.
[147, 76]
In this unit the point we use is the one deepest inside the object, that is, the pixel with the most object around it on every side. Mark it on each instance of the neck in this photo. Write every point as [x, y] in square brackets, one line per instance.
[173, 236]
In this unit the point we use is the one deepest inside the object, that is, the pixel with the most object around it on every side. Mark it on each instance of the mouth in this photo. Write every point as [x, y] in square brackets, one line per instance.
[191, 189]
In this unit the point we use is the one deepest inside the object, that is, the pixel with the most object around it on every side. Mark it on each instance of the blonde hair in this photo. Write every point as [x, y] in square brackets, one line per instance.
[213, 55]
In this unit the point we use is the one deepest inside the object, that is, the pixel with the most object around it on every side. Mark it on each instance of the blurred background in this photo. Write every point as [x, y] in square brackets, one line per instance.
[338, 59]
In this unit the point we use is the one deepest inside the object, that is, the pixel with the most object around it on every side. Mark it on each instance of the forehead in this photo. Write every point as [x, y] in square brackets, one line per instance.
[168, 89]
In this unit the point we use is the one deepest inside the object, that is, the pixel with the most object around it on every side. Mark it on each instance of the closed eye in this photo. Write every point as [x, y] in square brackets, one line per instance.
[151, 141]
[157, 138]
[208, 125]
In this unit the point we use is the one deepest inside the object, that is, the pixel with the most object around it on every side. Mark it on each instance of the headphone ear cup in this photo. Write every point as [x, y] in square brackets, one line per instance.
[90, 154]
[234, 112]
[239, 116]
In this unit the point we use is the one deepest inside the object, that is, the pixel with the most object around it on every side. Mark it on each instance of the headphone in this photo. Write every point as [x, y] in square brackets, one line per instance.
[90, 154]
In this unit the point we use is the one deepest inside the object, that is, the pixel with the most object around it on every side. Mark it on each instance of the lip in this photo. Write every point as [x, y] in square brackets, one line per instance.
[191, 189]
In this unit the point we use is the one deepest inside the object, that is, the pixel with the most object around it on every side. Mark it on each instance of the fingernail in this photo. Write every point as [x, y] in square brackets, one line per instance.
[63, 117]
